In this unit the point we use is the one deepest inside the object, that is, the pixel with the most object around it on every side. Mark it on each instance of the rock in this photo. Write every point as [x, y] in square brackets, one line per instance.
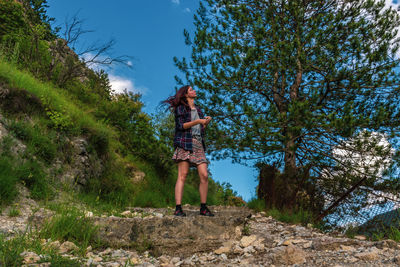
[360, 237]
[260, 247]
[67, 247]
[127, 213]
[371, 255]
[163, 259]
[288, 255]
[88, 214]
[55, 244]
[29, 257]
[247, 240]
[222, 250]
[249, 249]
[118, 254]
[97, 259]
[307, 244]
[396, 259]
[238, 250]
[238, 232]
[188, 262]
[224, 257]
[386, 244]
[105, 252]
[137, 176]
[175, 260]
[346, 248]
[331, 244]
[158, 215]
[134, 260]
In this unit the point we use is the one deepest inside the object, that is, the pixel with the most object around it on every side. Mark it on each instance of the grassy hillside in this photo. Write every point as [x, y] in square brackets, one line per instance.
[50, 101]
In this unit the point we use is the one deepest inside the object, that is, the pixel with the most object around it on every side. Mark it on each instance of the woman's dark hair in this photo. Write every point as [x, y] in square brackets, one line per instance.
[178, 99]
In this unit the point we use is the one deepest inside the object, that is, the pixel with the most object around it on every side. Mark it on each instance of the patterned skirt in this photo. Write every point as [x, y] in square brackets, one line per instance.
[195, 158]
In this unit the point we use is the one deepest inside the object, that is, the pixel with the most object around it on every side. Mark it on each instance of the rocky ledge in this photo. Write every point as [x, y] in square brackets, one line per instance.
[234, 237]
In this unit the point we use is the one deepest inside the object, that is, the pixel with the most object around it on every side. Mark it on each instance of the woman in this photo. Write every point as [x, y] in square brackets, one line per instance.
[189, 145]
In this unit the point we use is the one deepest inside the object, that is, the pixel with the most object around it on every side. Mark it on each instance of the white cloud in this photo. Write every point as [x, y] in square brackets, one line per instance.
[187, 10]
[390, 3]
[119, 84]
[395, 6]
[175, 2]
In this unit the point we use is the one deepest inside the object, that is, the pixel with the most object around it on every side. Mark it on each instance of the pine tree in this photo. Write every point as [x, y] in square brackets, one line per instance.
[286, 82]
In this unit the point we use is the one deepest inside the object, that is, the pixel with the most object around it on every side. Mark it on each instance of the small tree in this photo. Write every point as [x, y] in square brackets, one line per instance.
[286, 81]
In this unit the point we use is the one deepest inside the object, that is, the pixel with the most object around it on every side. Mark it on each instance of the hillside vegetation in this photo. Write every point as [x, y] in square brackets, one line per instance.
[66, 131]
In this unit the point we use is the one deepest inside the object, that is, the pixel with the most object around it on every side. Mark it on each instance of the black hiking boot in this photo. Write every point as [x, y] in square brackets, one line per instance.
[206, 212]
[179, 213]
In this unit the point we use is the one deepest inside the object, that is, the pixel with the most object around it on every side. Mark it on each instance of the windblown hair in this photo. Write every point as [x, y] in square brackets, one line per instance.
[178, 99]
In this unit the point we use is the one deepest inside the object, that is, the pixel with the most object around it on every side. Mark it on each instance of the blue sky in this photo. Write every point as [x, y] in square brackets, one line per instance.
[151, 31]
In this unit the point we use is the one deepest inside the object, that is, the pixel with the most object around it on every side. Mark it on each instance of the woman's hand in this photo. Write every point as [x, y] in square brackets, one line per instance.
[208, 119]
[203, 122]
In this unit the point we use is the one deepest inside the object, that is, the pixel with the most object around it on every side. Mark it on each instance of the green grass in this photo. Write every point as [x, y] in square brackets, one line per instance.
[14, 211]
[256, 204]
[62, 115]
[39, 143]
[32, 175]
[58, 102]
[71, 225]
[11, 249]
[8, 181]
[296, 217]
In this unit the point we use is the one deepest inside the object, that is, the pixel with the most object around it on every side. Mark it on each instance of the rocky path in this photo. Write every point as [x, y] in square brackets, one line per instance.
[234, 237]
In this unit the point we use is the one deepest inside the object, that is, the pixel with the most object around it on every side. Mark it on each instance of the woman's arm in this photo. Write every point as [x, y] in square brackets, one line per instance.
[190, 124]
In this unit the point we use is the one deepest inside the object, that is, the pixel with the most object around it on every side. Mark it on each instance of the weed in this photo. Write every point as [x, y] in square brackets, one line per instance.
[38, 143]
[256, 204]
[143, 246]
[300, 216]
[8, 180]
[394, 234]
[246, 229]
[7, 142]
[14, 211]
[351, 231]
[33, 176]
[11, 249]
[71, 225]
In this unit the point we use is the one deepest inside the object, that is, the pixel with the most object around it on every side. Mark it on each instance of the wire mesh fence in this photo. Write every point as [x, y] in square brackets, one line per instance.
[366, 212]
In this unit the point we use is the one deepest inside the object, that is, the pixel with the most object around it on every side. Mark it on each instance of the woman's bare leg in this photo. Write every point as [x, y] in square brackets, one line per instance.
[203, 187]
[183, 169]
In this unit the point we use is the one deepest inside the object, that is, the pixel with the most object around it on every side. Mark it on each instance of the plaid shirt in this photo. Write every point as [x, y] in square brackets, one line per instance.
[183, 137]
